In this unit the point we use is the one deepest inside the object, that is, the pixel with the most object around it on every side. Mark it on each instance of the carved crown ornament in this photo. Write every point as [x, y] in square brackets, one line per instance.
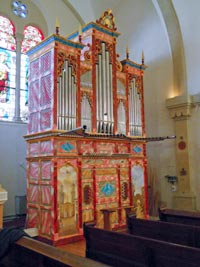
[107, 20]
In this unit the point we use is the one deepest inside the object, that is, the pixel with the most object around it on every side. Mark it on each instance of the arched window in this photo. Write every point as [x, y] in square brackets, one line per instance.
[32, 36]
[7, 32]
[7, 68]
[13, 74]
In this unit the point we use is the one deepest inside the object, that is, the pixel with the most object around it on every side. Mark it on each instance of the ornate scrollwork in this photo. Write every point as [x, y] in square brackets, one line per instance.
[87, 56]
[88, 95]
[73, 63]
[118, 65]
[60, 62]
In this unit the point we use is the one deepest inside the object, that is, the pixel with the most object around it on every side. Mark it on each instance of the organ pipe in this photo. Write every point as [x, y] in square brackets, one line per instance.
[108, 90]
[66, 98]
[134, 110]
[104, 92]
[111, 101]
[104, 102]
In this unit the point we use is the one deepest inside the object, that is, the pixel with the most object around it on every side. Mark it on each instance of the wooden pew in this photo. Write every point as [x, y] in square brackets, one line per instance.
[179, 216]
[120, 249]
[187, 235]
[27, 252]
[114, 248]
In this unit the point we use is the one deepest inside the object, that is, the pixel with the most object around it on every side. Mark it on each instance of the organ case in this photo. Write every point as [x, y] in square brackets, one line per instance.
[86, 133]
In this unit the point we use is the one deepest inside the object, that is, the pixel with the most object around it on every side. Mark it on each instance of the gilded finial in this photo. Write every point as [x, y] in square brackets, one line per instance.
[127, 52]
[142, 57]
[57, 26]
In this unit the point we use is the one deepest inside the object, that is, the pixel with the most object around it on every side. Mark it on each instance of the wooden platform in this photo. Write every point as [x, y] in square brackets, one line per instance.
[77, 248]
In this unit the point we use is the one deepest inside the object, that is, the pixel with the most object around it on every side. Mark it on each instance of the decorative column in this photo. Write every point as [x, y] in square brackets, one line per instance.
[180, 108]
[19, 38]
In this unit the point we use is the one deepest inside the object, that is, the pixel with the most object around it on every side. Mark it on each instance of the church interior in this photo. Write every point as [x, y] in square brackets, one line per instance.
[99, 110]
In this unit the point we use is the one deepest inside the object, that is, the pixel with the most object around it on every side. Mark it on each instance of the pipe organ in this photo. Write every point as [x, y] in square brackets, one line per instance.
[86, 134]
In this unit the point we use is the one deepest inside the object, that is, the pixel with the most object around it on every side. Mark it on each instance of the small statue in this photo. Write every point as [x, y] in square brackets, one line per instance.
[139, 210]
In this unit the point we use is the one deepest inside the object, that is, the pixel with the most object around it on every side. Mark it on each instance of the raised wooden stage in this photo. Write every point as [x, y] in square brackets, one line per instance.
[77, 248]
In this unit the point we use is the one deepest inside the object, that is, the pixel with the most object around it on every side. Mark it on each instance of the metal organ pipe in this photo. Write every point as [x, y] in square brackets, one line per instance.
[66, 99]
[104, 93]
[104, 103]
[60, 117]
[138, 122]
[111, 100]
[86, 113]
[108, 90]
[135, 110]
[100, 94]
[64, 88]
[68, 115]
[139, 116]
[97, 93]
[74, 104]
[131, 108]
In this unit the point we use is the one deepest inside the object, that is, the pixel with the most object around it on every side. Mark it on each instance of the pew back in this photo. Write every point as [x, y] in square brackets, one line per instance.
[119, 249]
[27, 252]
[187, 235]
[114, 248]
[179, 216]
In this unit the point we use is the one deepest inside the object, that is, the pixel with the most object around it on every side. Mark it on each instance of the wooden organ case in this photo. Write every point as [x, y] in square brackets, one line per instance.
[86, 135]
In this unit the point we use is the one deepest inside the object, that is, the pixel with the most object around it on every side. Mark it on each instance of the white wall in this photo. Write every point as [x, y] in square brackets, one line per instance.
[189, 19]
[12, 162]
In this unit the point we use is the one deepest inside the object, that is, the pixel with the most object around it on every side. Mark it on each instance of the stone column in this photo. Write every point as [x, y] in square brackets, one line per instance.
[19, 38]
[180, 108]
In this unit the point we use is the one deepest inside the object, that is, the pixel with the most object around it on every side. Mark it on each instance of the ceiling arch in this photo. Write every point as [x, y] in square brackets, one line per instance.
[168, 16]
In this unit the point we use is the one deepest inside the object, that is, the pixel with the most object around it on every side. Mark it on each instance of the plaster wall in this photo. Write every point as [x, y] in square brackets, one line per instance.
[51, 10]
[12, 162]
[189, 19]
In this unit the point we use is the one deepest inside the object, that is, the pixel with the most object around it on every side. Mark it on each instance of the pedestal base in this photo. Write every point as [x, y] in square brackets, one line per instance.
[184, 201]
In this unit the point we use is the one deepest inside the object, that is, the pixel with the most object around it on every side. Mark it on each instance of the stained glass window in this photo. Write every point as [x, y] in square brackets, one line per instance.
[8, 70]
[32, 36]
[7, 32]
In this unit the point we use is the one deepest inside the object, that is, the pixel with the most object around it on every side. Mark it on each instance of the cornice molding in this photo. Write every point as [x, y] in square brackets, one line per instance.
[180, 107]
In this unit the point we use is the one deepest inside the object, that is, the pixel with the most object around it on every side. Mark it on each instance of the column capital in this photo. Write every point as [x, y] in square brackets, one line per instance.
[180, 107]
